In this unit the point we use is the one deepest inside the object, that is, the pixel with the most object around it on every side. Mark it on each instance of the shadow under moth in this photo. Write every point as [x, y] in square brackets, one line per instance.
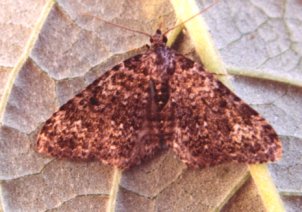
[157, 100]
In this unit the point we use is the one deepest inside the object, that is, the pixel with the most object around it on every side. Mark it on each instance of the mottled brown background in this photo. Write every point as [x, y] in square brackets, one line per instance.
[74, 47]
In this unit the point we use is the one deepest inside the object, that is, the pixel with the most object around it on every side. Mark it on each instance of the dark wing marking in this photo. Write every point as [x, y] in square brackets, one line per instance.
[213, 125]
[106, 121]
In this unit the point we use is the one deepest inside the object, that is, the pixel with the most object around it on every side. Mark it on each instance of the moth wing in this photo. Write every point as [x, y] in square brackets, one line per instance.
[106, 121]
[213, 125]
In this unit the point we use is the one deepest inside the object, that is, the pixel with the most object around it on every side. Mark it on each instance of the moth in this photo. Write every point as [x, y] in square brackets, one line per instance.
[156, 100]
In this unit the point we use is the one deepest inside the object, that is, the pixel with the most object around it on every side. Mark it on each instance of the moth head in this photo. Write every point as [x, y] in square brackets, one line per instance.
[158, 38]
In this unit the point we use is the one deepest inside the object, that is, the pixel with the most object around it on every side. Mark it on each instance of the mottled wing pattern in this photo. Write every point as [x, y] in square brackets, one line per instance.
[154, 100]
[107, 120]
[212, 125]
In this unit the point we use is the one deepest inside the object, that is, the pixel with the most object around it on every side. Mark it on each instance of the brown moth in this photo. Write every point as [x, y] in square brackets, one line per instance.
[156, 100]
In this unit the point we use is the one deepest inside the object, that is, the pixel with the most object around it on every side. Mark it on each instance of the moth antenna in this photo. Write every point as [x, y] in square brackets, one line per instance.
[126, 28]
[197, 14]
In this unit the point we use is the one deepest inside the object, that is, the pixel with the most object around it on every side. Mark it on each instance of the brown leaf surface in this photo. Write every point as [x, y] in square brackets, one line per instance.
[75, 46]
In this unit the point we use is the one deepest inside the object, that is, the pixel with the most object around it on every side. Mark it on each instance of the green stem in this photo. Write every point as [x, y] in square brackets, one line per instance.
[267, 75]
[116, 179]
